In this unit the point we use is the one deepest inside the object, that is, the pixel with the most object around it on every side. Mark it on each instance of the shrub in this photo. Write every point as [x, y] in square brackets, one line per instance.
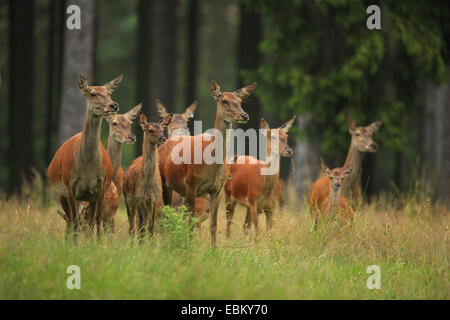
[178, 229]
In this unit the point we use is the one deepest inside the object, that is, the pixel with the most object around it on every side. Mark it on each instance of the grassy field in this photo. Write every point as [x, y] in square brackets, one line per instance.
[407, 240]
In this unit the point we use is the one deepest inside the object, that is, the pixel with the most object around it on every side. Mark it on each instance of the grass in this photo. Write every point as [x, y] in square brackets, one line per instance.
[408, 241]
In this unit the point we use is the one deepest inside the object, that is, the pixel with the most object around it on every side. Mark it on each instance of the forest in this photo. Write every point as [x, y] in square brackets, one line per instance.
[316, 60]
[336, 78]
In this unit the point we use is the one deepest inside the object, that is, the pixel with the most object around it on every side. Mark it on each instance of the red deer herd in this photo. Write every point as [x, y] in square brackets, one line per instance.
[89, 179]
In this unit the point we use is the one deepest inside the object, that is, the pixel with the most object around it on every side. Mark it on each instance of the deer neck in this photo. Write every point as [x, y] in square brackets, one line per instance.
[149, 161]
[89, 149]
[222, 126]
[269, 159]
[115, 152]
[354, 157]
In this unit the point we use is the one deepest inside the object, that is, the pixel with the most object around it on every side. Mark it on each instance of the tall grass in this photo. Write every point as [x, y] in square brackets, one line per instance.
[409, 242]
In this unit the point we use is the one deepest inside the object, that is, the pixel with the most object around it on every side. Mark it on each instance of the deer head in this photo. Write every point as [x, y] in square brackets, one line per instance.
[336, 176]
[179, 123]
[154, 131]
[120, 125]
[99, 97]
[229, 103]
[362, 136]
[284, 149]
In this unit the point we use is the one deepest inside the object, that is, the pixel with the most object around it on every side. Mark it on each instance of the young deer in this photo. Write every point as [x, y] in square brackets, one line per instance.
[119, 133]
[250, 188]
[335, 204]
[360, 144]
[81, 169]
[192, 179]
[142, 185]
[179, 127]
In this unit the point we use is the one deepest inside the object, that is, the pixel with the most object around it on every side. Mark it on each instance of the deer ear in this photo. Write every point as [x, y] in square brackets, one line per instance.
[350, 125]
[215, 90]
[82, 84]
[373, 127]
[246, 91]
[166, 120]
[133, 113]
[288, 125]
[263, 124]
[189, 113]
[114, 84]
[325, 169]
[142, 120]
[162, 112]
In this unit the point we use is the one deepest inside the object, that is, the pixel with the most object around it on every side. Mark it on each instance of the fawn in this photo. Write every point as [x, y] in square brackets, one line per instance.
[179, 127]
[192, 179]
[360, 144]
[142, 184]
[81, 169]
[250, 188]
[335, 204]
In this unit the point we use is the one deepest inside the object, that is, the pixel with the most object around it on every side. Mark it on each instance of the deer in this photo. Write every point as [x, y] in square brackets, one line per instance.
[199, 178]
[179, 127]
[335, 204]
[81, 168]
[119, 133]
[142, 186]
[247, 185]
[360, 144]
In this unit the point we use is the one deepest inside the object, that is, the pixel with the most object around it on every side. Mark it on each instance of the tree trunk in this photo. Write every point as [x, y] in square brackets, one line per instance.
[192, 52]
[144, 66]
[307, 163]
[436, 140]
[166, 57]
[21, 95]
[157, 45]
[249, 57]
[78, 58]
[56, 25]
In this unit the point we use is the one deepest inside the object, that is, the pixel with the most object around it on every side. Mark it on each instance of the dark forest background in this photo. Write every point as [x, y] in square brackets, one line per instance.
[314, 59]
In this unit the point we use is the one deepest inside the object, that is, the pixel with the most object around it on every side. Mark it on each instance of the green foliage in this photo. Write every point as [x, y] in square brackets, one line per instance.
[323, 63]
[178, 228]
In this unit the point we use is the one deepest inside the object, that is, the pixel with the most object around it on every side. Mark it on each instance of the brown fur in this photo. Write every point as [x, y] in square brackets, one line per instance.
[81, 169]
[248, 187]
[142, 184]
[360, 144]
[196, 180]
[335, 205]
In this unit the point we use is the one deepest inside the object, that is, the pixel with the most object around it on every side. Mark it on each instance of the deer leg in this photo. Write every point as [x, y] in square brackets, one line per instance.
[143, 220]
[72, 224]
[152, 221]
[191, 194]
[213, 221]
[97, 218]
[167, 196]
[269, 218]
[254, 218]
[66, 209]
[247, 224]
[131, 213]
[230, 205]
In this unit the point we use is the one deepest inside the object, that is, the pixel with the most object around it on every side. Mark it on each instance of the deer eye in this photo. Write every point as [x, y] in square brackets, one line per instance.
[358, 135]
[93, 94]
[150, 130]
[114, 123]
[331, 178]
